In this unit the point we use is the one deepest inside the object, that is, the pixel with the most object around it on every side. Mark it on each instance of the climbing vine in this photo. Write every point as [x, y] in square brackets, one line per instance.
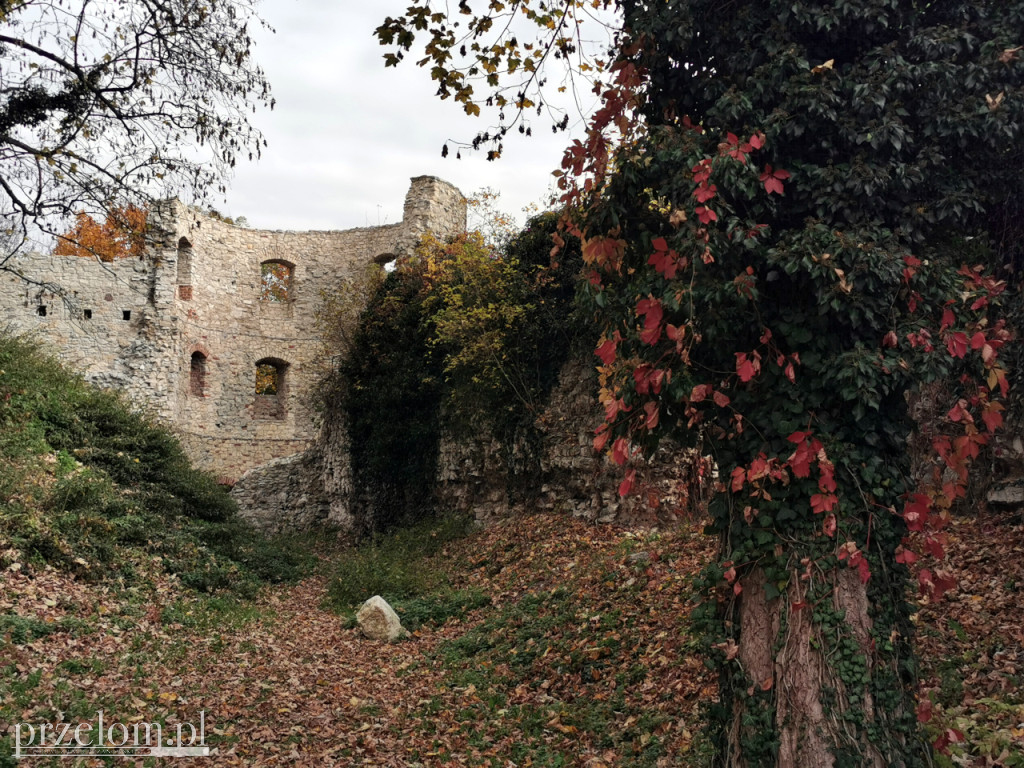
[791, 355]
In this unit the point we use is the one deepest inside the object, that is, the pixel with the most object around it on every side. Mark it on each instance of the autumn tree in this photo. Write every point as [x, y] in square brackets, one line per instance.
[122, 235]
[105, 105]
[781, 204]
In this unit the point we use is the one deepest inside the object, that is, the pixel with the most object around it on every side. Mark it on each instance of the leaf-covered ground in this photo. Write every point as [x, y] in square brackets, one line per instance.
[582, 657]
[971, 644]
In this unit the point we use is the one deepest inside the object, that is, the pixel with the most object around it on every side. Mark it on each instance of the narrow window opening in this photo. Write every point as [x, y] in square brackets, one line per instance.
[197, 375]
[41, 310]
[266, 379]
[126, 314]
[184, 269]
[87, 314]
[276, 281]
[270, 388]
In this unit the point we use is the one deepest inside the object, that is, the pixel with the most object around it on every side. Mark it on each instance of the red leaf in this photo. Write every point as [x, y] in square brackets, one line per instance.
[745, 369]
[934, 545]
[665, 263]
[800, 461]
[659, 244]
[978, 340]
[943, 583]
[601, 438]
[642, 377]
[612, 408]
[606, 352]
[739, 476]
[924, 710]
[651, 411]
[935, 585]
[620, 451]
[702, 171]
[772, 179]
[721, 399]
[823, 502]
[706, 215]
[947, 320]
[992, 417]
[705, 192]
[627, 485]
[699, 393]
[957, 344]
[955, 413]
[863, 570]
[829, 526]
[651, 310]
[905, 556]
[916, 511]
[757, 141]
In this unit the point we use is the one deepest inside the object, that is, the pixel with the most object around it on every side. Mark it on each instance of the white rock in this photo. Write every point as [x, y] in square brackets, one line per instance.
[378, 620]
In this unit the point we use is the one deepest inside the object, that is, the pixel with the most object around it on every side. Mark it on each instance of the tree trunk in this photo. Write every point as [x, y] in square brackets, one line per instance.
[809, 662]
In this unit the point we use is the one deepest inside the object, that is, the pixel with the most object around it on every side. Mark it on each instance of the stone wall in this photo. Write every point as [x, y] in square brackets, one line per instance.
[557, 470]
[561, 471]
[182, 330]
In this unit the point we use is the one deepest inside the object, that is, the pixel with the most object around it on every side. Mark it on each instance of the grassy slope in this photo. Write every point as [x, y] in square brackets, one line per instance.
[88, 486]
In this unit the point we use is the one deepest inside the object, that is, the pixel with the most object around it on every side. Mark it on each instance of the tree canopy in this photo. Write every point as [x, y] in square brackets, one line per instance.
[113, 104]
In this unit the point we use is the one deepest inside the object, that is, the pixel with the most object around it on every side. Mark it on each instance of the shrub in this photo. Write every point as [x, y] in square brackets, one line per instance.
[88, 482]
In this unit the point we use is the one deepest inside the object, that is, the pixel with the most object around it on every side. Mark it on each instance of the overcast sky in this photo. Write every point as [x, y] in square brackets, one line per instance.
[347, 134]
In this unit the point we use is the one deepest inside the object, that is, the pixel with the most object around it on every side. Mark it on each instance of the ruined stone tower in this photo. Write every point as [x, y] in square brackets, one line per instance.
[186, 331]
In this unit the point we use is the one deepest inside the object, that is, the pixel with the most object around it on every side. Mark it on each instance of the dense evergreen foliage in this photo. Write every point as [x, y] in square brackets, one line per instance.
[391, 392]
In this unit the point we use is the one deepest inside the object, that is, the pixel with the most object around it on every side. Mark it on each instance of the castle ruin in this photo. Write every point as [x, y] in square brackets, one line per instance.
[213, 330]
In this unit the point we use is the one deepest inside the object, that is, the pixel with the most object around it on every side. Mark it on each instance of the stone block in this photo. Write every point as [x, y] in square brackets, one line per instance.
[378, 621]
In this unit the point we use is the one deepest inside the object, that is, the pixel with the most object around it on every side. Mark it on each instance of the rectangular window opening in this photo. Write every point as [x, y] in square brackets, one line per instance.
[88, 314]
[41, 310]
[126, 314]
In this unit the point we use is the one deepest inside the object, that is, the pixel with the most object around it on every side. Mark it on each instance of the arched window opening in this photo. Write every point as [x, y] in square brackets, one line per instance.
[184, 269]
[271, 388]
[197, 375]
[276, 281]
[386, 260]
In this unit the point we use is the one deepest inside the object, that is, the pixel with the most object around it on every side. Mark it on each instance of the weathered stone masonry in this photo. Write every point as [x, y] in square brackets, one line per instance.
[183, 330]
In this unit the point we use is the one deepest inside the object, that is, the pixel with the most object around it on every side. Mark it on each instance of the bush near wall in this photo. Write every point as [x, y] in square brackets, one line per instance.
[458, 339]
[89, 486]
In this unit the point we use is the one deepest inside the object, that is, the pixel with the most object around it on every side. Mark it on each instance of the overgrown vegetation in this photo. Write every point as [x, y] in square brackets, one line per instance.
[460, 338]
[775, 198]
[395, 565]
[89, 486]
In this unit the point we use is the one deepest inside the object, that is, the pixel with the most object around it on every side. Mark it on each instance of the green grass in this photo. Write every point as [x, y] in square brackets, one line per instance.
[24, 629]
[399, 565]
[92, 487]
